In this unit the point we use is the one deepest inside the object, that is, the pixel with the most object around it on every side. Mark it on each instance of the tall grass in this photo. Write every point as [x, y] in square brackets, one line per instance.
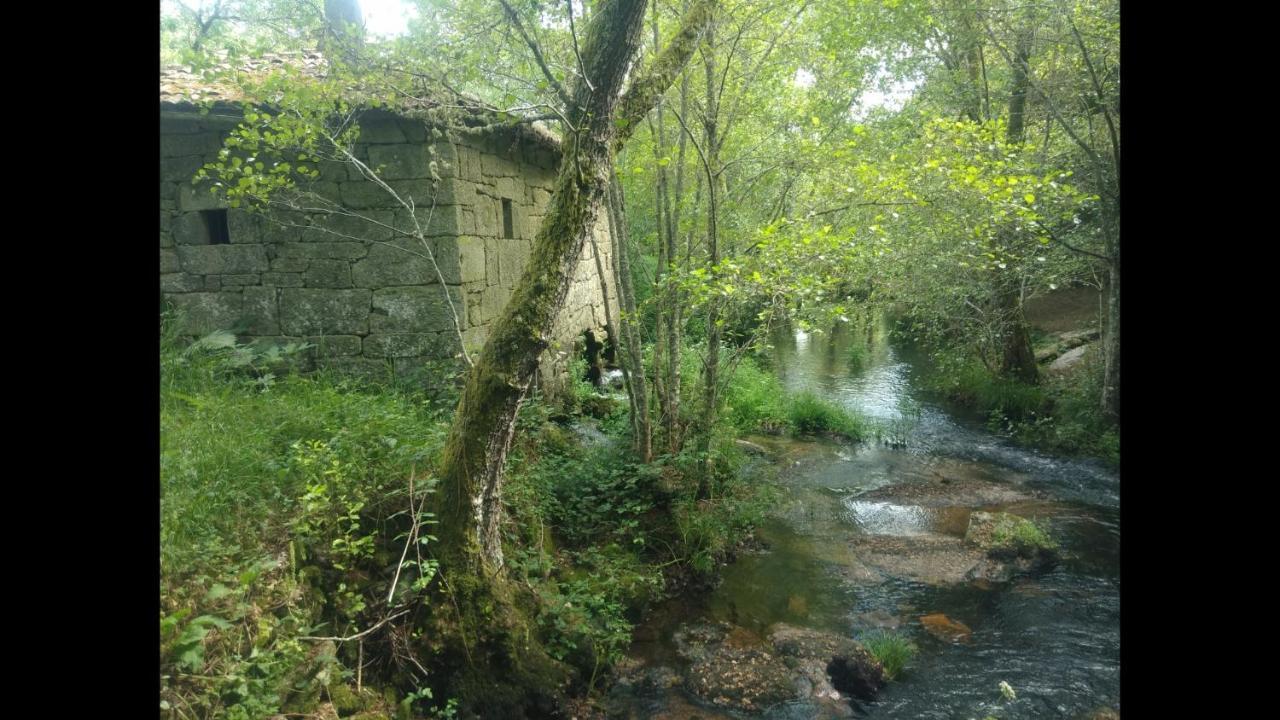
[893, 650]
[227, 490]
[809, 414]
[755, 399]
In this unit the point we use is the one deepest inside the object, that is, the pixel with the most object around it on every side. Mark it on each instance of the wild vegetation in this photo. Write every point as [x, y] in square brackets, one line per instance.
[477, 548]
[893, 650]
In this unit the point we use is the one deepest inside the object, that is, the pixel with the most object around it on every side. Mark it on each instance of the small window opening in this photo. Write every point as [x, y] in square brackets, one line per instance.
[215, 225]
[507, 230]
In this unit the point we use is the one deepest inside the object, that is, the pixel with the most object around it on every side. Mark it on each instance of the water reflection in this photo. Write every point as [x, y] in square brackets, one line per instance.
[885, 518]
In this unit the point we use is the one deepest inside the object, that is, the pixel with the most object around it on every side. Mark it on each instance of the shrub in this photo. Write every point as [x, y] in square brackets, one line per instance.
[755, 399]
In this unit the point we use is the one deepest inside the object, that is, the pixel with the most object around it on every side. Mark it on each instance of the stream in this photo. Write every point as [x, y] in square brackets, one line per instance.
[869, 536]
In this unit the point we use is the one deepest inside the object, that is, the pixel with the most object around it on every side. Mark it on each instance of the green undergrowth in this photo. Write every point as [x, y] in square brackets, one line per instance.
[600, 537]
[283, 498]
[286, 509]
[1062, 414]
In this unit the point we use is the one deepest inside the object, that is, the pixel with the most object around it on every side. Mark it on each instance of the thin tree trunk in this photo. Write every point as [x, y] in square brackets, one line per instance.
[711, 371]
[1018, 359]
[615, 327]
[630, 328]
[674, 302]
[1111, 341]
[663, 208]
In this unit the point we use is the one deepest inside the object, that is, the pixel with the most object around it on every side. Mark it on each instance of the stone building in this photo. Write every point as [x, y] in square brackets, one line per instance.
[356, 284]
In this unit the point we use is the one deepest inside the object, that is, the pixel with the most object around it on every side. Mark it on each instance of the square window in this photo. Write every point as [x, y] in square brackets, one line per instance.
[215, 226]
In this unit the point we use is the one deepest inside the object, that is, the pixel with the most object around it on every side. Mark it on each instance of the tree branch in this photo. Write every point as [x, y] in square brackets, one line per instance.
[649, 87]
[537, 53]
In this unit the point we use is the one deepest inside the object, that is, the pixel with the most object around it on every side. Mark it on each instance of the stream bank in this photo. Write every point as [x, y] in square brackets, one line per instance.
[871, 537]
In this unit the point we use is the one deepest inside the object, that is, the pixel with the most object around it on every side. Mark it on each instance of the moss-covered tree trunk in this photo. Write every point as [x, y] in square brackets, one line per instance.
[469, 500]
[480, 436]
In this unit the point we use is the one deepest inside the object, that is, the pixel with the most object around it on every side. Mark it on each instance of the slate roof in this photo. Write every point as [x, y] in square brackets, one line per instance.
[178, 84]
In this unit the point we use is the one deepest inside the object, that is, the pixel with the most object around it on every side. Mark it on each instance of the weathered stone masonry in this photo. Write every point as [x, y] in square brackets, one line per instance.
[367, 299]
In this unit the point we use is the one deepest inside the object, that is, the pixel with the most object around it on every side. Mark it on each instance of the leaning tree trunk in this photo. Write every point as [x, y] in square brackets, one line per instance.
[480, 436]
[468, 504]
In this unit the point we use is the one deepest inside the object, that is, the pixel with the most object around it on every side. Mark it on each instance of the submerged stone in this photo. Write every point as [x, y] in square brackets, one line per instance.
[946, 629]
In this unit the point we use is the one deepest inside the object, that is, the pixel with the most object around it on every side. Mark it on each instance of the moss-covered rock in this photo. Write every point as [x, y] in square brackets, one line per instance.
[1013, 546]
[348, 702]
[1005, 534]
[300, 691]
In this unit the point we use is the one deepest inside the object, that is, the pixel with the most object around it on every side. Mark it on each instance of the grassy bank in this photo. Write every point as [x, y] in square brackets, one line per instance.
[1061, 415]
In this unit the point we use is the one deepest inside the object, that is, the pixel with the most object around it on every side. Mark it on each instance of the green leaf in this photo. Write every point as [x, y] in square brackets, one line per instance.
[218, 591]
[1029, 197]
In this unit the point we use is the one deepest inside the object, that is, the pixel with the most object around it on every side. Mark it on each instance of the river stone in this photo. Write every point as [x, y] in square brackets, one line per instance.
[946, 629]
[752, 448]
[1069, 359]
[1005, 535]
[879, 619]
[695, 641]
[1046, 353]
[1077, 337]
[744, 679]
[951, 483]
[832, 665]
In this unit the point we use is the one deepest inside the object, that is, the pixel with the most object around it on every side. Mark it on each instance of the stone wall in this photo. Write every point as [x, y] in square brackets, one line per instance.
[364, 294]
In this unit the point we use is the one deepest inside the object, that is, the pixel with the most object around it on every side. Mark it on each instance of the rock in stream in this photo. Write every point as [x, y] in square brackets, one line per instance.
[732, 668]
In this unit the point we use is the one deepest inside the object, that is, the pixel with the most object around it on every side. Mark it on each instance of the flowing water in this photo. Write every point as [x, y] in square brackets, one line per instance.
[867, 538]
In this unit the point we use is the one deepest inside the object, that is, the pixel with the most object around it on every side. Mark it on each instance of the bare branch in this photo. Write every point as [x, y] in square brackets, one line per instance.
[573, 32]
[537, 53]
[358, 635]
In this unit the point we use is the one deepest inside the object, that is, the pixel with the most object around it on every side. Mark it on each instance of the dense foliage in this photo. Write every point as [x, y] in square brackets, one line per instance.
[812, 165]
